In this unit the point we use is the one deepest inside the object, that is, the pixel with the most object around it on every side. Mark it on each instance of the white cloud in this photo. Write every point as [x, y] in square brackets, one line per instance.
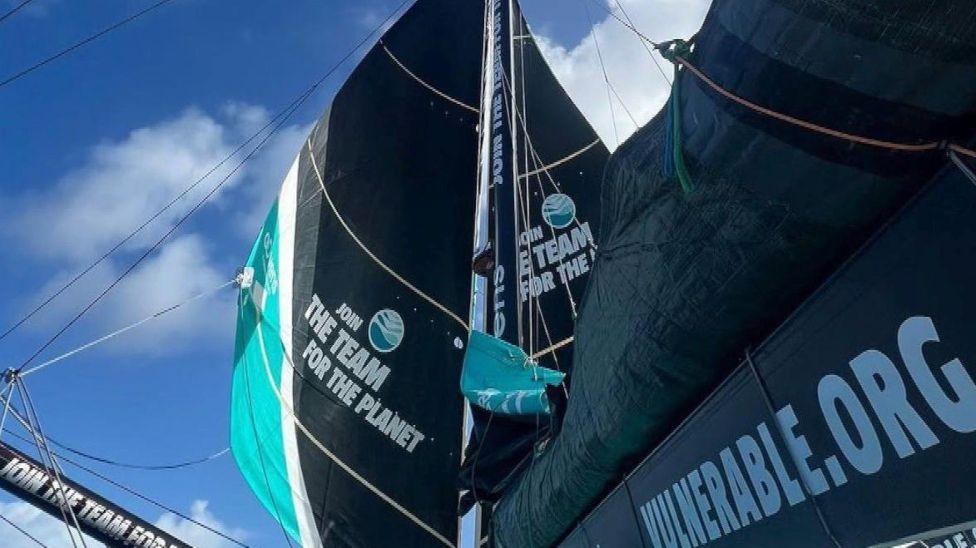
[182, 268]
[629, 66]
[197, 536]
[52, 531]
[123, 183]
[118, 186]
[48, 530]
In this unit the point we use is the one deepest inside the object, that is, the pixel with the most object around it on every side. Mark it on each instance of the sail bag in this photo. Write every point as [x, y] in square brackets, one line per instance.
[346, 418]
[685, 282]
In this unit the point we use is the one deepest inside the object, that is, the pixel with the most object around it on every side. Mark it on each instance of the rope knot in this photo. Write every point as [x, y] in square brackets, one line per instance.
[673, 49]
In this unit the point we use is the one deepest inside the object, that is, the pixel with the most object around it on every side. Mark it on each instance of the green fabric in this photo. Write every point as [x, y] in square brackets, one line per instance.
[683, 49]
[255, 424]
[501, 378]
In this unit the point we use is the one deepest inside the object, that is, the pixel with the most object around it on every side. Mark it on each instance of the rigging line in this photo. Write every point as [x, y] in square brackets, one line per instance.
[164, 237]
[63, 505]
[318, 444]
[535, 153]
[287, 111]
[962, 150]
[23, 532]
[8, 391]
[626, 24]
[623, 104]
[552, 232]
[120, 486]
[85, 41]
[14, 10]
[902, 147]
[561, 161]
[146, 467]
[552, 348]
[962, 166]
[125, 329]
[15, 385]
[643, 43]
[603, 67]
[139, 229]
[535, 164]
[421, 81]
[526, 196]
[369, 253]
[55, 465]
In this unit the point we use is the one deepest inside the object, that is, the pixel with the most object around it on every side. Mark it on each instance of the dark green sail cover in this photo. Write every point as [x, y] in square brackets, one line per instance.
[684, 283]
[346, 415]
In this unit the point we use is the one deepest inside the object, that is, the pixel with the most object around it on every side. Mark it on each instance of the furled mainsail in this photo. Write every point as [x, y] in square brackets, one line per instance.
[346, 416]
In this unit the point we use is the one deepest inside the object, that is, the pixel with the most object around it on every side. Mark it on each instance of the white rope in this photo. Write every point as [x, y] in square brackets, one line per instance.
[420, 81]
[318, 444]
[370, 254]
[552, 348]
[122, 330]
[962, 166]
[561, 161]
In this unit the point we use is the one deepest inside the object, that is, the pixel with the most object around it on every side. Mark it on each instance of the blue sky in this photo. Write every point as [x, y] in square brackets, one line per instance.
[95, 142]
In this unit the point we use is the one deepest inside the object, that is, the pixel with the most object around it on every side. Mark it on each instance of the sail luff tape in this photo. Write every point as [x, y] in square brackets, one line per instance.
[559, 162]
[325, 451]
[426, 85]
[390, 271]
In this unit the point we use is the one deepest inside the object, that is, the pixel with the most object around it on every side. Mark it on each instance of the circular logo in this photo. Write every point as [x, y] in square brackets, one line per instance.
[386, 330]
[558, 210]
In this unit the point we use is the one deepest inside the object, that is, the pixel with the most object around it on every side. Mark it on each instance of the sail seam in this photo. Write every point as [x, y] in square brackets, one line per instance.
[425, 84]
[370, 254]
[561, 161]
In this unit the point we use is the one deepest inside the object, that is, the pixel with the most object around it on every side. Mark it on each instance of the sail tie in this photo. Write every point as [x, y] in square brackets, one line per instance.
[370, 254]
[421, 81]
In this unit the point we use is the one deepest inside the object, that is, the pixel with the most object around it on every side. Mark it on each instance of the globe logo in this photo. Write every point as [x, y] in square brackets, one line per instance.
[558, 210]
[386, 330]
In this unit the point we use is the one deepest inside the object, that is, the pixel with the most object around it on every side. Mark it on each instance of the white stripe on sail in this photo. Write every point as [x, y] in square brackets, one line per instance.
[287, 203]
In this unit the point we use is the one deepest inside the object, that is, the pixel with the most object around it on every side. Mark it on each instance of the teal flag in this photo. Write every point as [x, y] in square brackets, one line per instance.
[501, 378]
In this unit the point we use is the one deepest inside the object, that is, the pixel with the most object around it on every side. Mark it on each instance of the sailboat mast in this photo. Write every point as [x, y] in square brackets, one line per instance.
[504, 311]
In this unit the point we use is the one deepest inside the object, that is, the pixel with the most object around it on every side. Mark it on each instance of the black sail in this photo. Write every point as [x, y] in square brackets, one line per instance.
[346, 414]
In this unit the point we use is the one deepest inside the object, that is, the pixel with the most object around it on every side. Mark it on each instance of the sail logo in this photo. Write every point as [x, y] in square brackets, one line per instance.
[558, 210]
[386, 330]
